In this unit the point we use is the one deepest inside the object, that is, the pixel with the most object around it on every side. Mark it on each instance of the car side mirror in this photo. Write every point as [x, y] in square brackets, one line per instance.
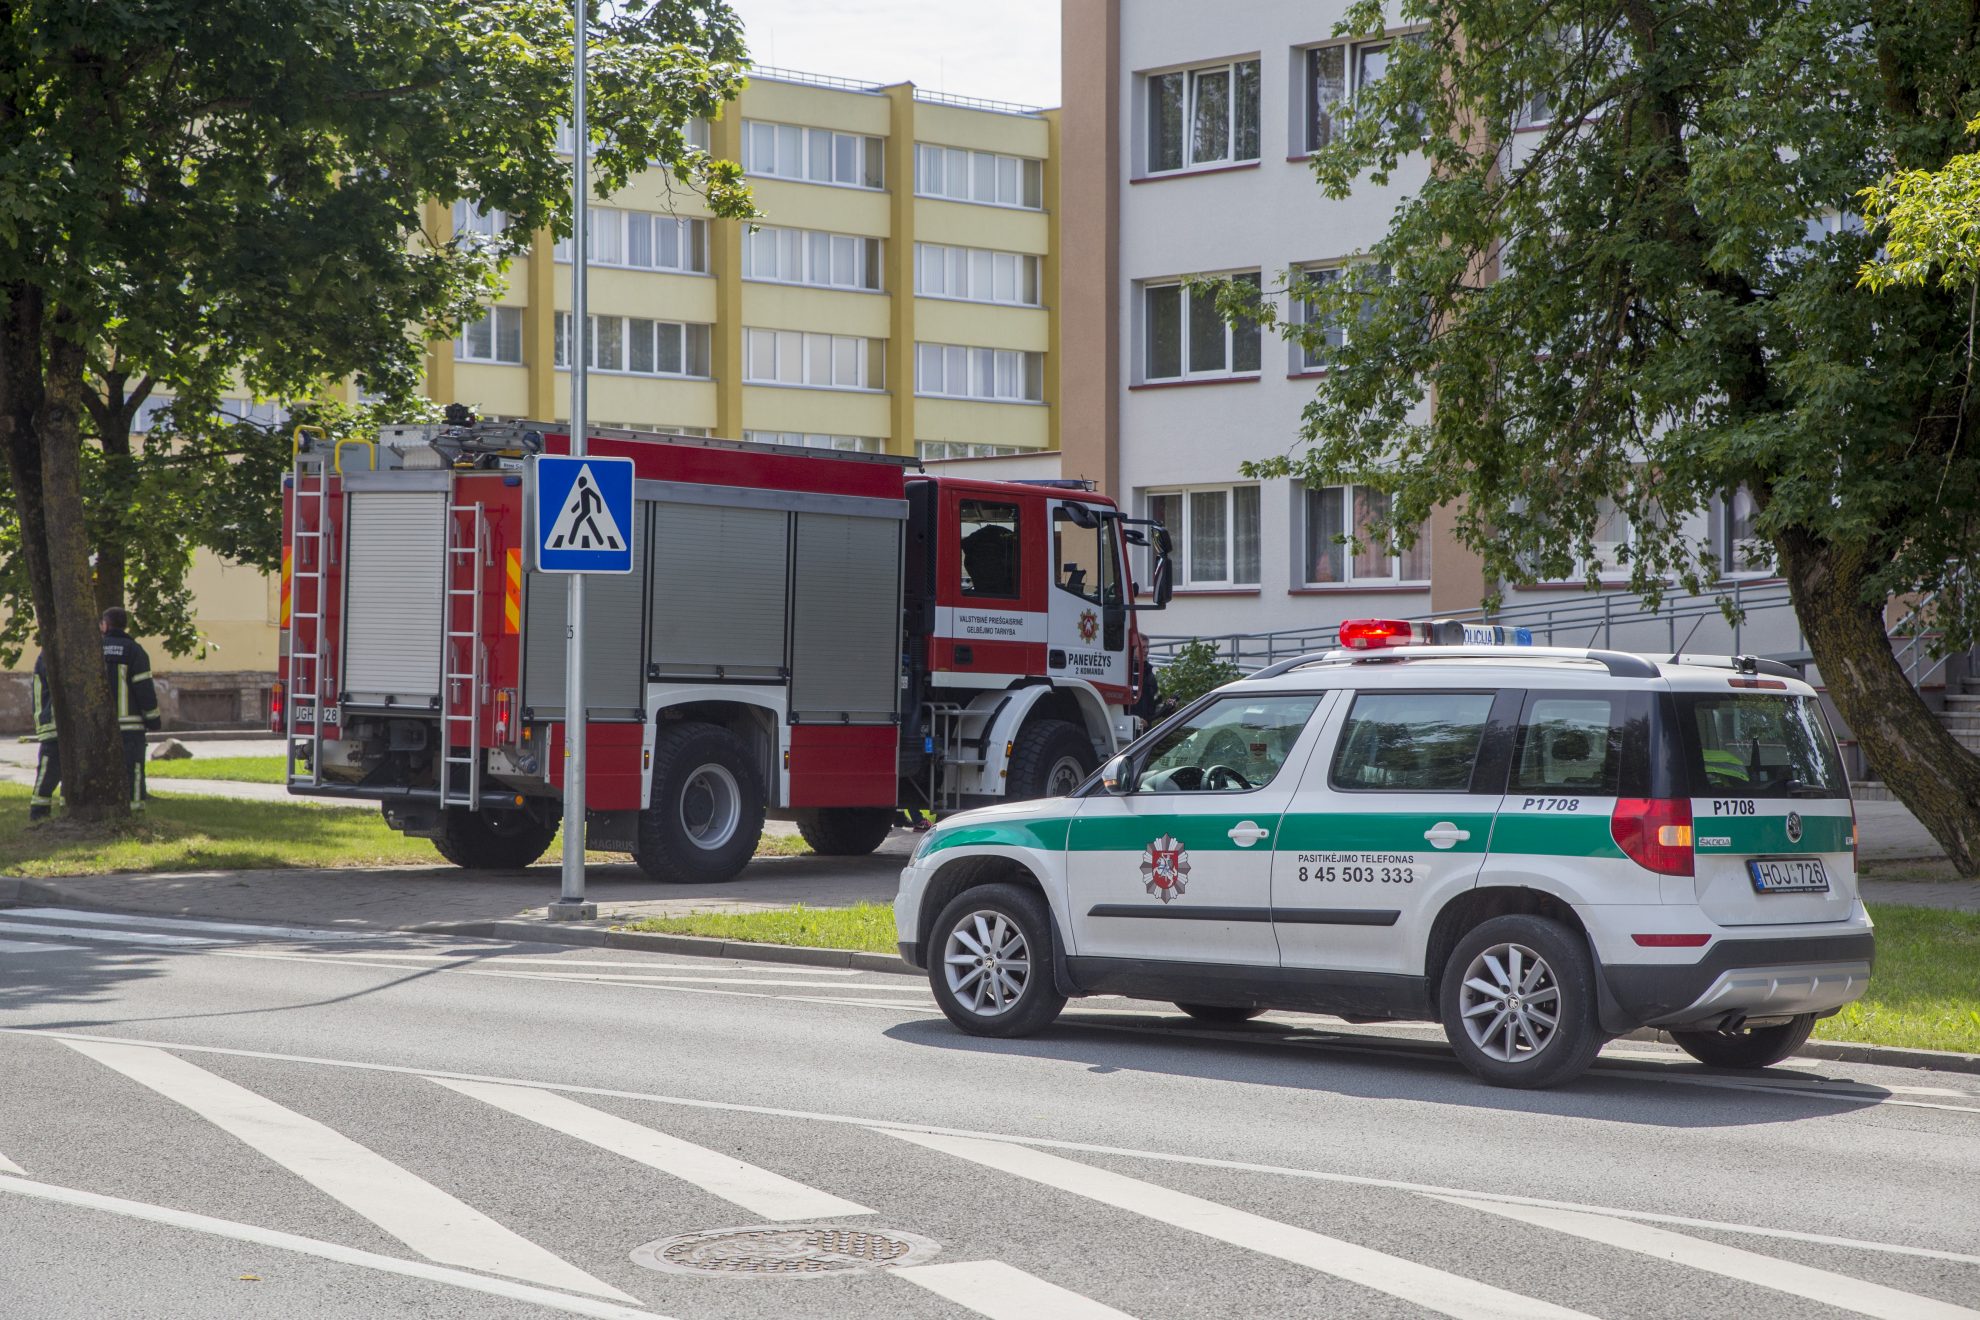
[1115, 777]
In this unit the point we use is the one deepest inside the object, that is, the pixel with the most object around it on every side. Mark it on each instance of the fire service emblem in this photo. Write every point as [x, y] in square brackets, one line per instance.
[1165, 867]
[1089, 626]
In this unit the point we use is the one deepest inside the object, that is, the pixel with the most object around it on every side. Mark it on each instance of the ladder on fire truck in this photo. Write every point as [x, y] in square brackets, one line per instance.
[311, 547]
[466, 656]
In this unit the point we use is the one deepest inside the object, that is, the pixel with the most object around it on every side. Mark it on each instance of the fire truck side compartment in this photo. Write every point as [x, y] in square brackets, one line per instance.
[396, 565]
[614, 642]
[846, 619]
[720, 583]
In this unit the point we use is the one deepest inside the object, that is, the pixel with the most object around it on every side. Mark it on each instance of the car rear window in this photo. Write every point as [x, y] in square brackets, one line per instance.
[1411, 742]
[1568, 744]
[1759, 746]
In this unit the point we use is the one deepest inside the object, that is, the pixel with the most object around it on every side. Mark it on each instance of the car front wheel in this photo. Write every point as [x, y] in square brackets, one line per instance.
[991, 969]
[1518, 1002]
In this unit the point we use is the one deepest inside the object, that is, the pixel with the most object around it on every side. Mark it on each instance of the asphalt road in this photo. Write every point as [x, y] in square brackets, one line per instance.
[198, 1121]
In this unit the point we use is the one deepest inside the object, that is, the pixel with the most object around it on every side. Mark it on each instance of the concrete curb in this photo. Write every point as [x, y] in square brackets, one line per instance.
[30, 893]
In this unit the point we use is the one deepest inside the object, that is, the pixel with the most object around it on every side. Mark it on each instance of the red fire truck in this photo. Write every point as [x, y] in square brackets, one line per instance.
[816, 635]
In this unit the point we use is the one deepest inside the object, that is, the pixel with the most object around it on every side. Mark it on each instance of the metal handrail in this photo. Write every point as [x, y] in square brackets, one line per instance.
[980, 103]
[814, 79]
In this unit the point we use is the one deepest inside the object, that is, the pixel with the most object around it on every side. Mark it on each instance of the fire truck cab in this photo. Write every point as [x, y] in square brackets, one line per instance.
[820, 636]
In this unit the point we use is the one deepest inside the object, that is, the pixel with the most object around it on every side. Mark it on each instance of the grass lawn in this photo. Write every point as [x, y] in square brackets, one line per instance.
[226, 834]
[868, 926]
[1925, 989]
[1924, 994]
[241, 769]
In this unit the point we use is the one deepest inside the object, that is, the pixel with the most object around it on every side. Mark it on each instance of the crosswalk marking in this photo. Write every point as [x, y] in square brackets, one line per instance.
[105, 936]
[1004, 1292]
[84, 916]
[8, 1166]
[29, 946]
[269, 1237]
[1838, 1290]
[406, 1206]
[1433, 1289]
[759, 1191]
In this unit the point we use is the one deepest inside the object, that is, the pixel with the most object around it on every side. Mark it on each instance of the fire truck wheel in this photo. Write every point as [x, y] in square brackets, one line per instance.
[707, 810]
[492, 840]
[846, 831]
[1049, 760]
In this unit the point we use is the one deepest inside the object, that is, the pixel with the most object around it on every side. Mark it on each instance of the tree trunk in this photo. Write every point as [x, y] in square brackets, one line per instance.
[113, 411]
[20, 406]
[93, 777]
[1923, 765]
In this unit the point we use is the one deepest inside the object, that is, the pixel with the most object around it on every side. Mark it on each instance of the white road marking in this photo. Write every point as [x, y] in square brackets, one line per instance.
[29, 946]
[1425, 1286]
[1831, 1289]
[552, 961]
[658, 979]
[428, 1220]
[1043, 1143]
[83, 916]
[268, 1237]
[1005, 1292]
[105, 936]
[8, 1166]
[756, 1190]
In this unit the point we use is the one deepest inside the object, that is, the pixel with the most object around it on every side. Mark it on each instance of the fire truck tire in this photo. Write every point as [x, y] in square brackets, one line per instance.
[846, 831]
[1049, 760]
[706, 815]
[492, 840]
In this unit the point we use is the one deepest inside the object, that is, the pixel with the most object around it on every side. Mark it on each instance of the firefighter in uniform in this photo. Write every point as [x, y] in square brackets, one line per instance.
[47, 769]
[129, 670]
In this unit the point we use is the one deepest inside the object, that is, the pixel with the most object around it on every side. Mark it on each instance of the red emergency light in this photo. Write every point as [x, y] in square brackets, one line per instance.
[1374, 634]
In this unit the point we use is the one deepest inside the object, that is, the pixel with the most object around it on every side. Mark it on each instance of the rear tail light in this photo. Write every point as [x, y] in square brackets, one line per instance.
[1671, 941]
[1852, 832]
[277, 707]
[1655, 833]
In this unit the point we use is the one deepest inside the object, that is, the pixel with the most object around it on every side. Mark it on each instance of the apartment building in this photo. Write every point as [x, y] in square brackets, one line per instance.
[897, 294]
[1187, 137]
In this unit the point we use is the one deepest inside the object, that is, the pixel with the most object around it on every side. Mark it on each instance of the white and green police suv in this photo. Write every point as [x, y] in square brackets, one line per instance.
[1541, 849]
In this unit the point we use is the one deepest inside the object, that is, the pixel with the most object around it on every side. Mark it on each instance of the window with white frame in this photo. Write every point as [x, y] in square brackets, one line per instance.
[1740, 548]
[941, 449]
[812, 155]
[856, 444]
[1335, 76]
[1343, 547]
[643, 240]
[955, 371]
[976, 274]
[469, 218]
[1326, 330]
[1215, 530]
[984, 177]
[638, 347]
[824, 362]
[495, 336]
[1184, 335]
[811, 256]
[1203, 117]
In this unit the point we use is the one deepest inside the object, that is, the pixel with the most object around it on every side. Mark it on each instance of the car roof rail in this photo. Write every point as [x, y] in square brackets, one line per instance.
[1740, 664]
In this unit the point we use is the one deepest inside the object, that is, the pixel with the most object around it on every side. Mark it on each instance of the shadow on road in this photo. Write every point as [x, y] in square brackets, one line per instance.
[1370, 1067]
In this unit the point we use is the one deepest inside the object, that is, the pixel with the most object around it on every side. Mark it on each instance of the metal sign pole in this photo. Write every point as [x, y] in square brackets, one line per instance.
[571, 905]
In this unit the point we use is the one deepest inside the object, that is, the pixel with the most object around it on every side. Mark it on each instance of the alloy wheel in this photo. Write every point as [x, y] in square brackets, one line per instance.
[987, 962]
[1510, 1003]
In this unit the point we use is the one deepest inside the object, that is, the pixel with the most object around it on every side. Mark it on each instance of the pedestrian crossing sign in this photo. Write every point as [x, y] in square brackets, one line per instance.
[584, 514]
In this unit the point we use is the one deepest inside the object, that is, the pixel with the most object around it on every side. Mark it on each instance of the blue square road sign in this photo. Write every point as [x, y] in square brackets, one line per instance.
[584, 514]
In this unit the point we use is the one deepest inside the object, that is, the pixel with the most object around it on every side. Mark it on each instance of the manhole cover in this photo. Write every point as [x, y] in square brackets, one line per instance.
[797, 1252]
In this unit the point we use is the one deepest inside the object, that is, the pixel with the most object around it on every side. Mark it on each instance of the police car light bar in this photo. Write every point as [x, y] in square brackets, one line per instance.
[1381, 634]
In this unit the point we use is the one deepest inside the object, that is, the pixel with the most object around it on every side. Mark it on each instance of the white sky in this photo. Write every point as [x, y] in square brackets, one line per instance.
[1006, 50]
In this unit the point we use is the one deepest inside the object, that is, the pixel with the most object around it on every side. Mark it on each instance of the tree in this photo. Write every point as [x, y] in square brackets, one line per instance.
[203, 193]
[1653, 300]
[1196, 668]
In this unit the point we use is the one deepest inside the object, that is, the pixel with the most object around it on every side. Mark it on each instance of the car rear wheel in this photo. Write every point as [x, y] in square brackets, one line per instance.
[1749, 1047]
[1518, 1002]
[991, 968]
[846, 831]
[492, 840]
[706, 813]
[1220, 1013]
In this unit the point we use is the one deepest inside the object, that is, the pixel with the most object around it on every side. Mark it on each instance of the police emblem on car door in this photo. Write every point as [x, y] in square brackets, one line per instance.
[1166, 869]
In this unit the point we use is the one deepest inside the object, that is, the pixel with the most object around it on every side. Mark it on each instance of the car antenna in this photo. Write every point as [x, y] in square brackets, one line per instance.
[1686, 642]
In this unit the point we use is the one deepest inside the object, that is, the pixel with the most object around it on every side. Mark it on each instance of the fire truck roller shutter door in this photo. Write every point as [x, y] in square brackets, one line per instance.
[846, 619]
[395, 586]
[614, 642]
[720, 591]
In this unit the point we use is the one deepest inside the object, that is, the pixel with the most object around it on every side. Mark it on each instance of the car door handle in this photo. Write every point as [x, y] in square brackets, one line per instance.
[1247, 832]
[1445, 834]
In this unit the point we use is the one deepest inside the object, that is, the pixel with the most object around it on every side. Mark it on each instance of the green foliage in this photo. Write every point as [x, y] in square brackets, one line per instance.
[1198, 668]
[863, 926]
[216, 195]
[1930, 220]
[1925, 990]
[1665, 324]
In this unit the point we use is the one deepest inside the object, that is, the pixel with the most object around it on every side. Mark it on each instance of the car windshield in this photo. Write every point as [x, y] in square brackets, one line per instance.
[1742, 745]
[1232, 744]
